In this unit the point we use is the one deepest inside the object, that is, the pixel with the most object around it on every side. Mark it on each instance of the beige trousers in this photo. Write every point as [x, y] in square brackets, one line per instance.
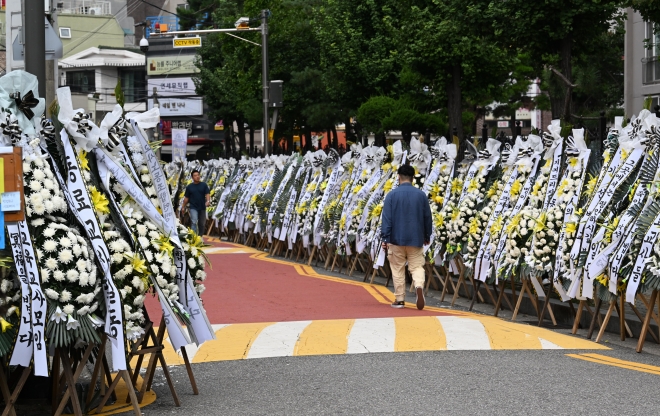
[397, 256]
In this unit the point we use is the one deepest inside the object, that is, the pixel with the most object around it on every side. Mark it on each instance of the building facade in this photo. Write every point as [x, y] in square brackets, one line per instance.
[642, 64]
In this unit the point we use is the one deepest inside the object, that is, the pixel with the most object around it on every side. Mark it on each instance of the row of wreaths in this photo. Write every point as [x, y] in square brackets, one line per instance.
[545, 207]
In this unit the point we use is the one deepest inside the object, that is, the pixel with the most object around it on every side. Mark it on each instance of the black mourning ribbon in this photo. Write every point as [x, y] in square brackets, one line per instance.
[116, 134]
[548, 140]
[25, 104]
[84, 122]
[506, 152]
[47, 129]
[484, 154]
[11, 129]
[435, 152]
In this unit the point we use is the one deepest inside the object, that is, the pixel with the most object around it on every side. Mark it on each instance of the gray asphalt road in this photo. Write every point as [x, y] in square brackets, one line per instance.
[446, 382]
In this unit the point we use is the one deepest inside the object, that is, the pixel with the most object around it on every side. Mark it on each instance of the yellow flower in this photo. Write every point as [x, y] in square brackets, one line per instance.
[633, 189]
[456, 186]
[164, 245]
[548, 163]
[516, 187]
[342, 222]
[497, 225]
[606, 157]
[591, 185]
[5, 325]
[388, 185]
[573, 161]
[344, 184]
[624, 154]
[324, 185]
[311, 187]
[455, 213]
[84, 163]
[474, 225]
[493, 190]
[603, 280]
[139, 265]
[540, 223]
[375, 213]
[439, 220]
[364, 174]
[357, 189]
[386, 167]
[571, 227]
[264, 184]
[513, 224]
[473, 186]
[99, 201]
[253, 199]
[439, 200]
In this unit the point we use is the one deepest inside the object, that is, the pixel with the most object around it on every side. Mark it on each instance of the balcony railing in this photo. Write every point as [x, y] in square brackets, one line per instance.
[88, 7]
[651, 70]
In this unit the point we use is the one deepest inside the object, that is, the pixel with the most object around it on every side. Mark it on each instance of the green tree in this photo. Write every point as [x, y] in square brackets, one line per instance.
[553, 33]
[450, 43]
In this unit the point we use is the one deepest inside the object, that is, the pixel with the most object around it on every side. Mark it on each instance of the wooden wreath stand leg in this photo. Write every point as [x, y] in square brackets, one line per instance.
[428, 268]
[476, 284]
[525, 289]
[647, 319]
[622, 320]
[10, 399]
[547, 305]
[583, 305]
[461, 279]
[447, 283]
[500, 296]
[641, 318]
[71, 374]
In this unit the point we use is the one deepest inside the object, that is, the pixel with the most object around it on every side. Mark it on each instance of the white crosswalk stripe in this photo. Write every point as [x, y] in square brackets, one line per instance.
[464, 333]
[277, 340]
[372, 335]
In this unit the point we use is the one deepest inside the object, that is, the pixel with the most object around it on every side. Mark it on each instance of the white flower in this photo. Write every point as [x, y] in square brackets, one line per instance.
[144, 242]
[72, 324]
[58, 315]
[65, 242]
[51, 294]
[65, 256]
[191, 262]
[35, 185]
[65, 296]
[83, 279]
[72, 275]
[45, 275]
[50, 246]
[38, 222]
[49, 184]
[142, 230]
[39, 209]
[49, 232]
[83, 311]
[523, 232]
[117, 258]
[200, 274]
[45, 194]
[51, 263]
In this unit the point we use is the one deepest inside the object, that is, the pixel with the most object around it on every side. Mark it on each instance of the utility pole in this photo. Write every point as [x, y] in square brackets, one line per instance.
[34, 35]
[264, 76]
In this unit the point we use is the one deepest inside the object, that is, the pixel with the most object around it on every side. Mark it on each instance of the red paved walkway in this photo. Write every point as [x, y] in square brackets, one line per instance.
[240, 289]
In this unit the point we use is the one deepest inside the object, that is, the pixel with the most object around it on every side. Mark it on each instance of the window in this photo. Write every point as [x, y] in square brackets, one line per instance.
[651, 63]
[134, 84]
[81, 81]
[182, 6]
[65, 32]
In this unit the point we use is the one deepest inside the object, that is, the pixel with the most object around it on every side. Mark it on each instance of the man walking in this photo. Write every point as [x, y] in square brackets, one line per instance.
[405, 230]
[198, 194]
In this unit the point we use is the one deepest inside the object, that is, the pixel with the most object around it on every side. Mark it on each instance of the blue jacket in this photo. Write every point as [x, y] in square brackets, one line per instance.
[406, 217]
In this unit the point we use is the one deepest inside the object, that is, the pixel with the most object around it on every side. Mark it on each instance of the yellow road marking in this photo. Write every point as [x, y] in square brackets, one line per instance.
[510, 336]
[565, 341]
[233, 343]
[422, 333]
[615, 362]
[324, 337]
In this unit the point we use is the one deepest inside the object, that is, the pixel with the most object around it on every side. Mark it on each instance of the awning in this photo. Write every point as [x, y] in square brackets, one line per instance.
[190, 149]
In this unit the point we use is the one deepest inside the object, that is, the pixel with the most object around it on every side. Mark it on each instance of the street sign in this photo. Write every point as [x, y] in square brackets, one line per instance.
[194, 42]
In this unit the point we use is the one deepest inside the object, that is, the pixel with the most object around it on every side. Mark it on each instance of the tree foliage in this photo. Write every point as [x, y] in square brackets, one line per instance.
[412, 65]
